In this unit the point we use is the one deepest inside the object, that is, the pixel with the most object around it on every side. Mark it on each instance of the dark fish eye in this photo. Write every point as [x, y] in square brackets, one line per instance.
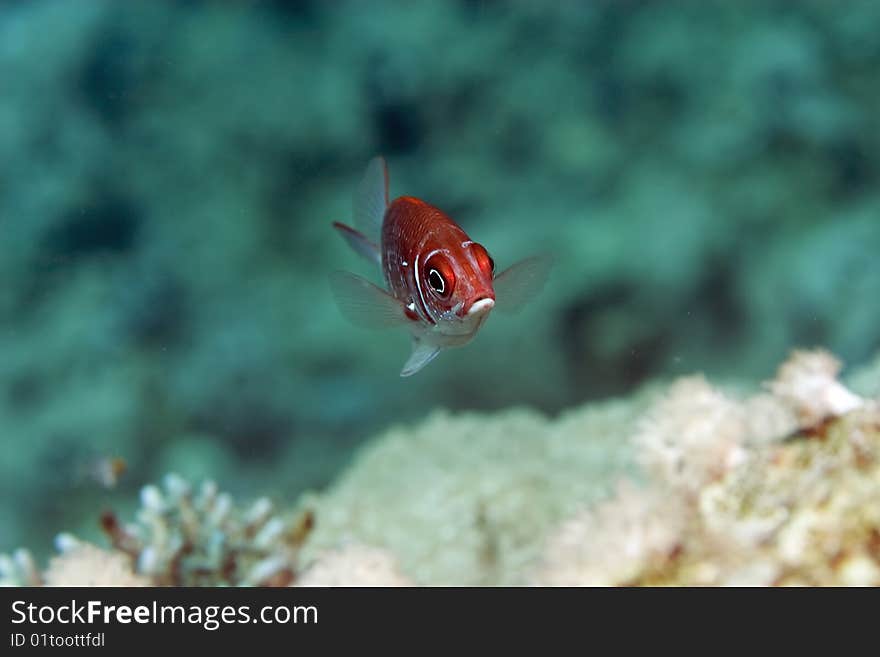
[491, 263]
[439, 275]
[436, 281]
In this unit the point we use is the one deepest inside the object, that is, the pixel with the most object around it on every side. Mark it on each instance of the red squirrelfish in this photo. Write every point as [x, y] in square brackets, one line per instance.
[440, 283]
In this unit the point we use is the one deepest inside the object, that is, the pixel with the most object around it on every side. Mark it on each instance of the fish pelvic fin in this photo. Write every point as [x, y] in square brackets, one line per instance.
[521, 282]
[366, 305]
[371, 199]
[421, 355]
[359, 242]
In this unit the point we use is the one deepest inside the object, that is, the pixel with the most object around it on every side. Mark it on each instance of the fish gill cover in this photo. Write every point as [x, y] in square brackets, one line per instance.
[704, 174]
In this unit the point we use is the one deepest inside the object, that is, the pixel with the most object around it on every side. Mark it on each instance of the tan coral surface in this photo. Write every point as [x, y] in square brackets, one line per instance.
[688, 486]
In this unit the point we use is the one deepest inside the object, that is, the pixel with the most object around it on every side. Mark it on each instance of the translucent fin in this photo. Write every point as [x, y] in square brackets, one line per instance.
[365, 304]
[421, 355]
[358, 241]
[371, 199]
[521, 282]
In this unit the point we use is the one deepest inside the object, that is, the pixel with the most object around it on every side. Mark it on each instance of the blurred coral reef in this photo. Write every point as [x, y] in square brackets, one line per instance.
[686, 485]
[722, 508]
[354, 565]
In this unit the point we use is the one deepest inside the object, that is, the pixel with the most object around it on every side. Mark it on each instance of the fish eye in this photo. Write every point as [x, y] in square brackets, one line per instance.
[439, 275]
[437, 282]
[487, 264]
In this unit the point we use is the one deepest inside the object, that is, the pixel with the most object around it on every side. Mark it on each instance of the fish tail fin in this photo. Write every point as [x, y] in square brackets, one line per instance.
[371, 199]
[359, 242]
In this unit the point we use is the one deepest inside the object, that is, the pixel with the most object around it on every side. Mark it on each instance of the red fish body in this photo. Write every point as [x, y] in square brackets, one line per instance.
[440, 283]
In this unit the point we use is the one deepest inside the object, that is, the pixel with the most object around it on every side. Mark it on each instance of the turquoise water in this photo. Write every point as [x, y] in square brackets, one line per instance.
[705, 175]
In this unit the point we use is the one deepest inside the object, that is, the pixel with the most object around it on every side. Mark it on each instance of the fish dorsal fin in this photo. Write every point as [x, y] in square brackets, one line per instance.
[421, 355]
[371, 199]
[521, 282]
[364, 304]
[359, 242]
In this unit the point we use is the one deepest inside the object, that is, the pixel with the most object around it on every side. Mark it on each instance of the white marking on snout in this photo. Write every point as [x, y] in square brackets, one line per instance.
[481, 306]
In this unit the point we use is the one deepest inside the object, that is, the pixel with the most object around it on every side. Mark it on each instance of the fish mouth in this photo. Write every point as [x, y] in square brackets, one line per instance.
[480, 307]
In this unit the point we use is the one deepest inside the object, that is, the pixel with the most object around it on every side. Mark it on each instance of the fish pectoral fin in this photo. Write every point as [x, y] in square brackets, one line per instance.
[364, 304]
[421, 355]
[371, 199]
[359, 242]
[521, 282]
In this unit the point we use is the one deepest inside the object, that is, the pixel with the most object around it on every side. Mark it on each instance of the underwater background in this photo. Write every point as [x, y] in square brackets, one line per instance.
[704, 173]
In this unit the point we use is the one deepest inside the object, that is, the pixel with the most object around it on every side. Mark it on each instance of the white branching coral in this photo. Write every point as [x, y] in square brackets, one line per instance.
[354, 565]
[199, 537]
[19, 569]
[181, 536]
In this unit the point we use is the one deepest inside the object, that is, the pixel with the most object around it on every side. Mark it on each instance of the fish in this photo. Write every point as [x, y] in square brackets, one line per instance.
[105, 471]
[439, 283]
